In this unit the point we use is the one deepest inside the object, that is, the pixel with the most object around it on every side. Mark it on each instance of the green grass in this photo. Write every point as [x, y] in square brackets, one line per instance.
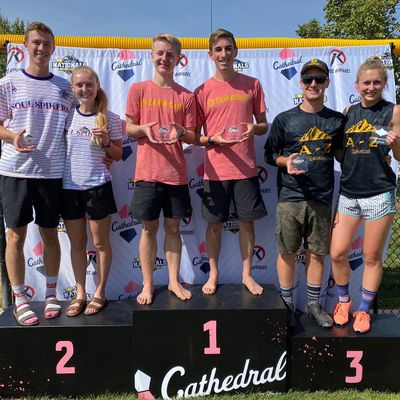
[321, 395]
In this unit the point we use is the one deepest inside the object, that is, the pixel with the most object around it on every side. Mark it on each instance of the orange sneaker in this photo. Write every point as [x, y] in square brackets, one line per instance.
[341, 313]
[362, 323]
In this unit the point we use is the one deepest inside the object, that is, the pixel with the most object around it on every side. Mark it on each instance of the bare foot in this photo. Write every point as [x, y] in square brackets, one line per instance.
[179, 291]
[252, 286]
[210, 287]
[145, 296]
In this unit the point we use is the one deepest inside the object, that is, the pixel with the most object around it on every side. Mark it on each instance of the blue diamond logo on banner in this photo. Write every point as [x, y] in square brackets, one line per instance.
[125, 74]
[354, 264]
[128, 235]
[289, 73]
[126, 152]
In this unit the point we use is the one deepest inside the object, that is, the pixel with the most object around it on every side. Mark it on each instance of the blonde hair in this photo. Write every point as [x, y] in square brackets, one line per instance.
[101, 100]
[170, 39]
[38, 26]
[373, 62]
[221, 34]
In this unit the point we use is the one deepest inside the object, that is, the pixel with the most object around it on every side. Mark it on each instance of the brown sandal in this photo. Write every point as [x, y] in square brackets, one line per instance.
[75, 307]
[96, 304]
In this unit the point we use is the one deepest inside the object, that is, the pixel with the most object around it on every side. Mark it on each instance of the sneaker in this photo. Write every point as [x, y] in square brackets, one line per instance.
[321, 316]
[290, 315]
[362, 322]
[341, 313]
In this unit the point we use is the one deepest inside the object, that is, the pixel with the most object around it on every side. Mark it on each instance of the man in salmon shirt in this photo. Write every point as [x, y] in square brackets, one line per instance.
[161, 115]
[226, 104]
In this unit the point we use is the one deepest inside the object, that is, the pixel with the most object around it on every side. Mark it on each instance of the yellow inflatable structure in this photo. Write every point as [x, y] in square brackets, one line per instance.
[202, 43]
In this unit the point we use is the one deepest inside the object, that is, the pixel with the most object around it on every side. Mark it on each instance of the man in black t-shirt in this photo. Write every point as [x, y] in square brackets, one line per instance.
[302, 143]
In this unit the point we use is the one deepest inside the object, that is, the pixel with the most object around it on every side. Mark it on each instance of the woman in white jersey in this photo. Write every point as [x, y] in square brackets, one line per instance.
[92, 132]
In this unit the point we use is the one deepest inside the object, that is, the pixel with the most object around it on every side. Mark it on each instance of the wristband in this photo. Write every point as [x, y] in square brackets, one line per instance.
[109, 144]
[210, 141]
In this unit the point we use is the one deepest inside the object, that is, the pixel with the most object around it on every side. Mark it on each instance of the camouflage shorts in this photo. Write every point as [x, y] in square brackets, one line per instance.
[303, 220]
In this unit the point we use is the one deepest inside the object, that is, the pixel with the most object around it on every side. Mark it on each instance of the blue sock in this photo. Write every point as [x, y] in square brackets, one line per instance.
[343, 291]
[367, 298]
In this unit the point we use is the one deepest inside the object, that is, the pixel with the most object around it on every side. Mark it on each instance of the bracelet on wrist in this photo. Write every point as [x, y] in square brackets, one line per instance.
[210, 141]
[108, 145]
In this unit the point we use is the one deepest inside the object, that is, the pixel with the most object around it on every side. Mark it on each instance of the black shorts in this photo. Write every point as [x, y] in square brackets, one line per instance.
[20, 194]
[244, 193]
[149, 198]
[96, 203]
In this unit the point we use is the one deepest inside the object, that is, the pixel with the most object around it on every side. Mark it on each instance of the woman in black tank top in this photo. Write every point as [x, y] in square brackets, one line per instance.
[367, 190]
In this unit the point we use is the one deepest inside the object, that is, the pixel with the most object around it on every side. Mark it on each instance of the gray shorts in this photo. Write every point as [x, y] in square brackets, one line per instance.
[309, 221]
[370, 208]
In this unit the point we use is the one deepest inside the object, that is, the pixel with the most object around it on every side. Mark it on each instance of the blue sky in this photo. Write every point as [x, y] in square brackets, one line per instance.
[184, 18]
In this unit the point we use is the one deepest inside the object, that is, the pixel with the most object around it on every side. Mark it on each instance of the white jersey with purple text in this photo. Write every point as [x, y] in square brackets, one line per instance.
[84, 166]
[40, 106]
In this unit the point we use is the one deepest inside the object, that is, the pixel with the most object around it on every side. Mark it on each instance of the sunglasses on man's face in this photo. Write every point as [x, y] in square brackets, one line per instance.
[307, 80]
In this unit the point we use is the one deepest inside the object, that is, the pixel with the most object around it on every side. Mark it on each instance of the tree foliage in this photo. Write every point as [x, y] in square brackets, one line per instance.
[16, 28]
[358, 19]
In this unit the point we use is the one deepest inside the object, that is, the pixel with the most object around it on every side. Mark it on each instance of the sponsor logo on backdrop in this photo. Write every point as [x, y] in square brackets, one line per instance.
[240, 66]
[37, 261]
[29, 291]
[258, 256]
[386, 58]
[232, 225]
[15, 56]
[159, 263]
[197, 183]
[91, 256]
[354, 98]
[299, 97]
[263, 179]
[301, 256]
[201, 261]
[182, 64]
[61, 226]
[127, 148]
[356, 251]
[213, 381]
[124, 225]
[337, 59]
[69, 293]
[185, 227]
[67, 63]
[126, 64]
[287, 63]
[131, 290]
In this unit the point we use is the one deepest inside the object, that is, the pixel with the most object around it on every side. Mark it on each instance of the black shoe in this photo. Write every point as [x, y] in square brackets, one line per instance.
[322, 318]
[290, 316]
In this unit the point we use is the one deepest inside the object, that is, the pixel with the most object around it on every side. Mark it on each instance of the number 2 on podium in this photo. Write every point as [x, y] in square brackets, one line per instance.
[69, 352]
[211, 327]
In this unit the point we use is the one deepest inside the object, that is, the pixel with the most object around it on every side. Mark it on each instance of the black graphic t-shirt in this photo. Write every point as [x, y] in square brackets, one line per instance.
[365, 171]
[315, 135]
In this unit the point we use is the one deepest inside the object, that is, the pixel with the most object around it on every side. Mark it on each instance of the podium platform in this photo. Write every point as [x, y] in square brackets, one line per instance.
[338, 358]
[67, 356]
[226, 343]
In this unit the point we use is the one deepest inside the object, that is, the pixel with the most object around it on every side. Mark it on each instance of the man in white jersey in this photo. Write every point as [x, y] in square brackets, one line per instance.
[34, 105]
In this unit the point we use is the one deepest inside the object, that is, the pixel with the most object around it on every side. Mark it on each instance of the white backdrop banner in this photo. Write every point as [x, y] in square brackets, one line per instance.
[279, 73]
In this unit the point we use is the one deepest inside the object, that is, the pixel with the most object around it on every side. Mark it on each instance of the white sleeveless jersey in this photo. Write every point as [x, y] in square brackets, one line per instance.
[84, 166]
[40, 106]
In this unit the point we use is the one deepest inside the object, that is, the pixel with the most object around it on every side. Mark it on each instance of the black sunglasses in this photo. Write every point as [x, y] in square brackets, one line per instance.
[318, 79]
